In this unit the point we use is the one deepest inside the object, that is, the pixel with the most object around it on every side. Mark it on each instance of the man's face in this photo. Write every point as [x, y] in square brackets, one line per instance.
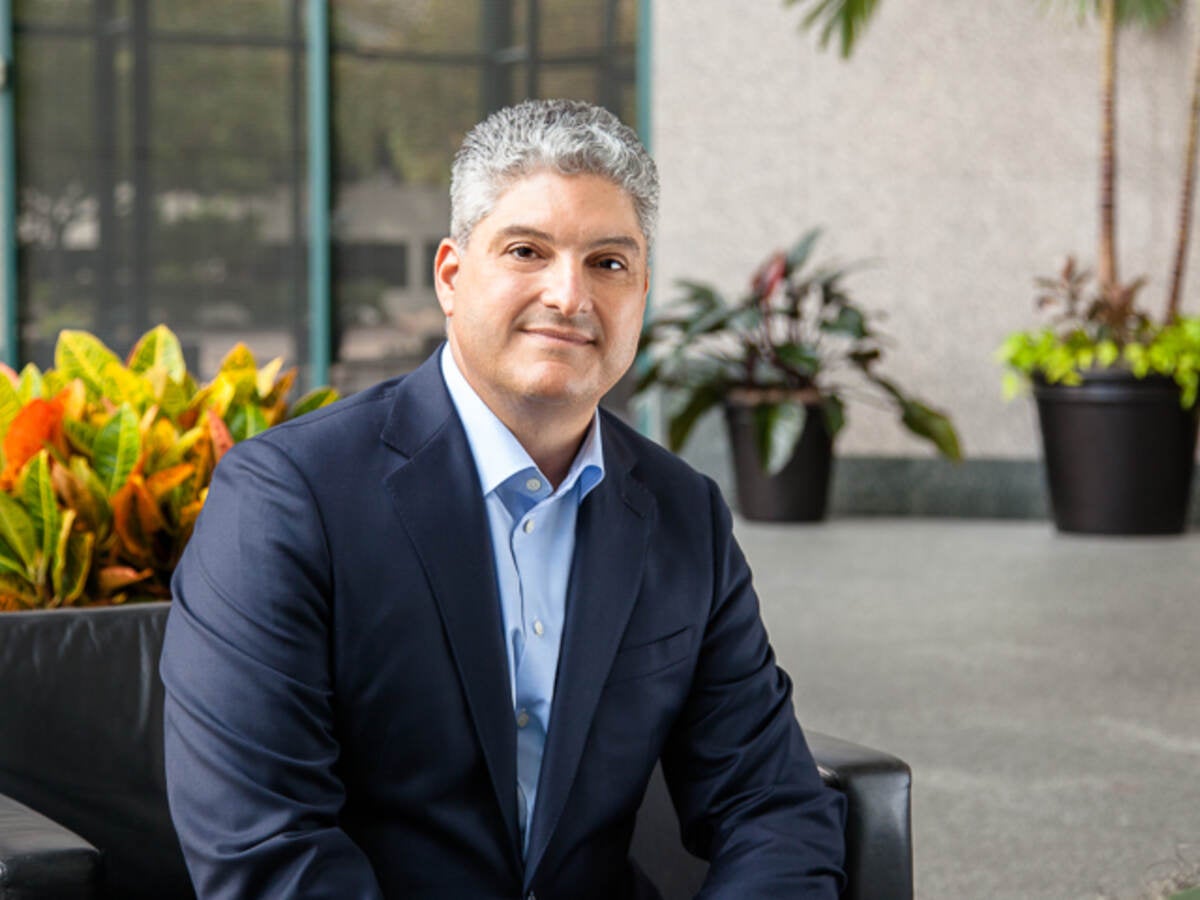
[544, 305]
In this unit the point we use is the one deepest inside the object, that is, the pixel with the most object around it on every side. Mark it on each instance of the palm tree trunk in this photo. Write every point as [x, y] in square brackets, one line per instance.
[1107, 261]
[1185, 204]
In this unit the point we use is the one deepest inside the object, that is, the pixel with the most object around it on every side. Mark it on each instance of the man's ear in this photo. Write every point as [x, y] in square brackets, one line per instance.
[445, 274]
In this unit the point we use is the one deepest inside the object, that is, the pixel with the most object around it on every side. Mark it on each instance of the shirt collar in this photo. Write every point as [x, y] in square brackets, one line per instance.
[498, 454]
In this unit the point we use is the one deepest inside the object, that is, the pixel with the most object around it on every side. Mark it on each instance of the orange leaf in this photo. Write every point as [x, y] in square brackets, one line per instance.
[150, 518]
[187, 518]
[166, 479]
[128, 525]
[219, 432]
[38, 423]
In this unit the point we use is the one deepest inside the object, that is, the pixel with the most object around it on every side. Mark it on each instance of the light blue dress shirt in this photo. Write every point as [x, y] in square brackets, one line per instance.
[533, 540]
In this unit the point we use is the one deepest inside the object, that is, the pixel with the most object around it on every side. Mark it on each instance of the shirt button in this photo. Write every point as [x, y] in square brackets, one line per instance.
[528, 526]
[533, 484]
[538, 628]
[522, 719]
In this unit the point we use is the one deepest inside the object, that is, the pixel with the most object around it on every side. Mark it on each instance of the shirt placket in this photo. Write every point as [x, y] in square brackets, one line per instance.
[528, 541]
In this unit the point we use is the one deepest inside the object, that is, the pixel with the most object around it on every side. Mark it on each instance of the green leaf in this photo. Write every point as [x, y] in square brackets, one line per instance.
[245, 421]
[777, 430]
[10, 563]
[158, 347]
[123, 386]
[805, 360]
[19, 587]
[802, 249]
[1012, 385]
[699, 295]
[680, 425]
[80, 434]
[845, 18]
[117, 448]
[737, 318]
[16, 528]
[849, 321]
[58, 564]
[37, 494]
[1148, 13]
[10, 404]
[30, 385]
[932, 425]
[314, 399]
[81, 355]
[835, 414]
[78, 564]
[1107, 353]
[95, 506]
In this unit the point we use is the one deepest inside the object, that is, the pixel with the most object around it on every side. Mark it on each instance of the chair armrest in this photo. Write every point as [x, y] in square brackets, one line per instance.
[878, 789]
[41, 860]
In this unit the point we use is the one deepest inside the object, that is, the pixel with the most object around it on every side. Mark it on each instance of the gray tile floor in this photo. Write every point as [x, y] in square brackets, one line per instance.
[1045, 690]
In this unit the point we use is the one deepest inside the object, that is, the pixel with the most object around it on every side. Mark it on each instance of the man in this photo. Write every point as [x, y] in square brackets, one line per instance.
[432, 640]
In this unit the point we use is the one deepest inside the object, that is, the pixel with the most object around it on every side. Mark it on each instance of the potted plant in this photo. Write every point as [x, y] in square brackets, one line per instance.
[777, 360]
[1115, 389]
[106, 464]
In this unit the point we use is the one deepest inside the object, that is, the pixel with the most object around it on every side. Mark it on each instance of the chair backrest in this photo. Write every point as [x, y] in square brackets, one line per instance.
[81, 737]
[81, 742]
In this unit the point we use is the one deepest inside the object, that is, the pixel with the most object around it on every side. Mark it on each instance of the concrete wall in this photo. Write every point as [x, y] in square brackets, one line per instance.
[958, 148]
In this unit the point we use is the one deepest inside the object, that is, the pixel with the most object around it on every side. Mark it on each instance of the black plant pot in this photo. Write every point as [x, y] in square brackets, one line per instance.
[799, 492]
[1119, 453]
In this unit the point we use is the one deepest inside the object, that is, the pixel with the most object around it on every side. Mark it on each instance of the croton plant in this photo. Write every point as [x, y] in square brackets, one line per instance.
[106, 463]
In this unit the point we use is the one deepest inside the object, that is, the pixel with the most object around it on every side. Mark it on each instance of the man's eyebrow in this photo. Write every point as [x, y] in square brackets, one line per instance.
[619, 240]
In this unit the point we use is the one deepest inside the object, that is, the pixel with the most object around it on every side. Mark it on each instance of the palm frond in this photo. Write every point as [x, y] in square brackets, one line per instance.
[1145, 12]
[845, 18]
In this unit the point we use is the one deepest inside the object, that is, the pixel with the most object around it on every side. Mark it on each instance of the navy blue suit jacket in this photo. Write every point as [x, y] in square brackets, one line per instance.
[338, 717]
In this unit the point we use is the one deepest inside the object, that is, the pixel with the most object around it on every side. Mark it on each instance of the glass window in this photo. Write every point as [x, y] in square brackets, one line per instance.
[161, 158]
[409, 77]
[159, 155]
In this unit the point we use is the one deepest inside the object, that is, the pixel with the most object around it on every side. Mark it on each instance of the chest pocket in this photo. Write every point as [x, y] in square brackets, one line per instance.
[647, 659]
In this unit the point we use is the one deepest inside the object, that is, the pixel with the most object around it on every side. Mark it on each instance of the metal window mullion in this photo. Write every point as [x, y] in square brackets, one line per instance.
[319, 296]
[106, 304]
[607, 92]
[141, 169]
[8, 186]
[533, 28]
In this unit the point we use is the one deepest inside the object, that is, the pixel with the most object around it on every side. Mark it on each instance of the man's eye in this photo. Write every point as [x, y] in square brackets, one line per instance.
[523, 252]
[611, 263]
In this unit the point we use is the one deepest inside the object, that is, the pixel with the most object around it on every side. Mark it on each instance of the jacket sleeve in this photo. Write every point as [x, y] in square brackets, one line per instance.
[249, 740]
[741, 776]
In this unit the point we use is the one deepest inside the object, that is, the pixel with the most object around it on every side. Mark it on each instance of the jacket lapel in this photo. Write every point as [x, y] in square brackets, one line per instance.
[437, 496]
[611, 535]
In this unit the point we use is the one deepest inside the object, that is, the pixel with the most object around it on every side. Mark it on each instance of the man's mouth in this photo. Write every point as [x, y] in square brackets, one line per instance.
[564, 335]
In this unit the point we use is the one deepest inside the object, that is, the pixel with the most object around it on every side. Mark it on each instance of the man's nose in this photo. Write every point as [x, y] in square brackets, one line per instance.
[566, 288]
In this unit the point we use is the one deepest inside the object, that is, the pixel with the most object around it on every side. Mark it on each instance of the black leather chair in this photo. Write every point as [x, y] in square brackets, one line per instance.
[83, 811]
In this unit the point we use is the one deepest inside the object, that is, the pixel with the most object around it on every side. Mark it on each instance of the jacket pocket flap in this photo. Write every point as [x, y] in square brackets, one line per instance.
[648, 658]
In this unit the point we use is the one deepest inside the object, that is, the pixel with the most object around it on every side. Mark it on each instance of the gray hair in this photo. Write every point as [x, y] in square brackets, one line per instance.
[565, 136]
